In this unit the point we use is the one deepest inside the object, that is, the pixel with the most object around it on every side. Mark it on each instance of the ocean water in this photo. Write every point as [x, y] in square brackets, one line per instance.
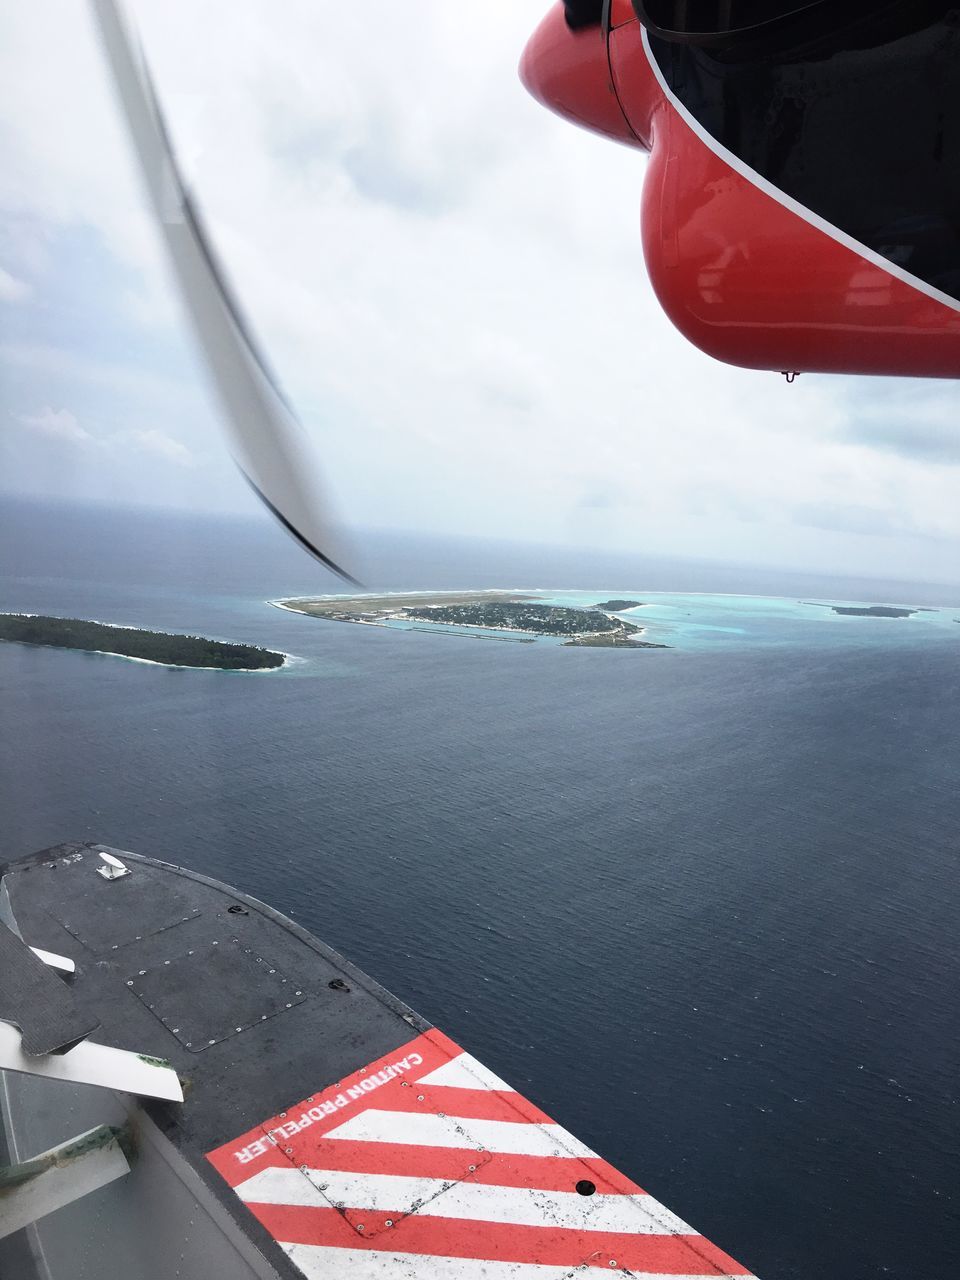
[700, 903]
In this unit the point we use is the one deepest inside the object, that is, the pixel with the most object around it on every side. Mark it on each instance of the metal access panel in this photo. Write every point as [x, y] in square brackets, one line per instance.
[108, 914]
[215, 991]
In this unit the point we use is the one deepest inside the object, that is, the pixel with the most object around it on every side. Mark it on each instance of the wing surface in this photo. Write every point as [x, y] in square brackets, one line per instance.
[424, 1164]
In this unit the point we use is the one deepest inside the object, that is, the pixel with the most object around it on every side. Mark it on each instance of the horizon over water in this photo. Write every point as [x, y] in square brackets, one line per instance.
[699, 903]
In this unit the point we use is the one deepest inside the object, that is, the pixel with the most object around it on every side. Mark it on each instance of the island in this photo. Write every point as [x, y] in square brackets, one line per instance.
[618, 606]
[131, 642]
[867, 611]
[479, 613]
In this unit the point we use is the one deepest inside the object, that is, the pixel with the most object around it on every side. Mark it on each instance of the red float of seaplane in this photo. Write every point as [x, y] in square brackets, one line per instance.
[801, 205]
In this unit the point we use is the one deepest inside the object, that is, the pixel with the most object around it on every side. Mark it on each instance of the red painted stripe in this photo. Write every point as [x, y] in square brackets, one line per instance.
[544, 1173]
[468, 1104]
[432, 1050]
[442, 1044]
[497, 1242]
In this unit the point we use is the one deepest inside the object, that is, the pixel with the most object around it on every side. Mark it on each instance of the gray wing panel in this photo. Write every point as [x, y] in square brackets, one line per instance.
[34, 999]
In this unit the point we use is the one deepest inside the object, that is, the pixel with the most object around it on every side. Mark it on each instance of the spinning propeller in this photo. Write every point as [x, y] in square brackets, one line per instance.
[269, 444]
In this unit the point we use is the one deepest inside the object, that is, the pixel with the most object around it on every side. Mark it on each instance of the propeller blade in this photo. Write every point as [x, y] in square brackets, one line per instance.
[269, 444]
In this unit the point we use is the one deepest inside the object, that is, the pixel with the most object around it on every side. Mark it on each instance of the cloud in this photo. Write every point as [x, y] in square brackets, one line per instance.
[847, 519]
[62, 426]
[55, 424]
[11, 289]
[159, 445]
[114, 379]
[923, 426]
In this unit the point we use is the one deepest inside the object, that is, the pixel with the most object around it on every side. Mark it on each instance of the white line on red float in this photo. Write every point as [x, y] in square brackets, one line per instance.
[465, 1072]
[431, 1197]
[318, 1263]
[455, 1131]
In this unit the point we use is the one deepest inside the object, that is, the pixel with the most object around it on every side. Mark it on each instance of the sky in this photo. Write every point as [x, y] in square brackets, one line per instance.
[447, 279]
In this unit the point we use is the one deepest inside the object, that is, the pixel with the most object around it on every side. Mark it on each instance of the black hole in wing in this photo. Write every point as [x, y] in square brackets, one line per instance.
[338, 984]
[237, 910]
[585, 1187]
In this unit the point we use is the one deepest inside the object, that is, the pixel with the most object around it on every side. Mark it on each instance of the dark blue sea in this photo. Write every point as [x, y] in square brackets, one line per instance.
[702, 904]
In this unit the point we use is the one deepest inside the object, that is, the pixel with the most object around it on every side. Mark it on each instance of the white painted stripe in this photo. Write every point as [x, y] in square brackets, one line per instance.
[319, 1262]
[503, 1136]
[465, 1072]
[801, 210]
[472, 1201]
[282, 1186]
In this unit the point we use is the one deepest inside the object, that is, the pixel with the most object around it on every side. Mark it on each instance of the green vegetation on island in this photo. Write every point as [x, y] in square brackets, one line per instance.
[618, 606]
[874, 611]
[543, 619]
[131, 642]
[868, 611]
[615, 640]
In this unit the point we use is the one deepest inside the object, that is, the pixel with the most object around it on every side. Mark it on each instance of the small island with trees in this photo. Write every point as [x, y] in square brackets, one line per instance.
[480, 613]
[869, 611]
[132, 642]
[619, 606]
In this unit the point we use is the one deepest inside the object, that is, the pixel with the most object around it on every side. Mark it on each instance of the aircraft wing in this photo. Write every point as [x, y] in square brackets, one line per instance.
[326, 1130]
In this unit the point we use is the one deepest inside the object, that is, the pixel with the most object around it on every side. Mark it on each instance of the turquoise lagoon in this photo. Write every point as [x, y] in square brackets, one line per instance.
[702, 622]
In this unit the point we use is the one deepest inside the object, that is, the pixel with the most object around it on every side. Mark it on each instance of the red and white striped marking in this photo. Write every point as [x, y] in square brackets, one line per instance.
[426, 1166]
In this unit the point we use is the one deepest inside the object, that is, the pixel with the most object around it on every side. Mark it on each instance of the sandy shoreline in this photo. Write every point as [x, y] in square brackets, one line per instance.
[172, 666]
[391, 601]
[288, 659]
